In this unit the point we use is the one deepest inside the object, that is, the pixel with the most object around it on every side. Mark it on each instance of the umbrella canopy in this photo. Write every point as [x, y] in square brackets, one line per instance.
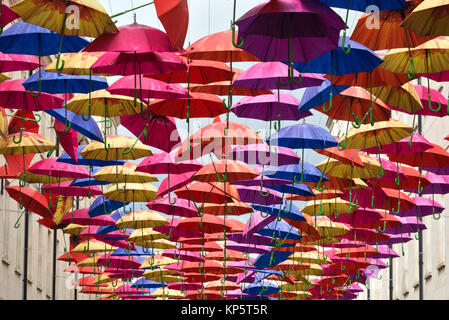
[116, 144]
[31, 200]
[426, 19]
[16, 62]
[261, 154]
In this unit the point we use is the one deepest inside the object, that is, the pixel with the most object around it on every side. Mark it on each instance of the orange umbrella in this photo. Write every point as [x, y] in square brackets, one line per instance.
[356, 102]
[348, 156]
[200, 105]
[325, 194]
[236, 208]
[232, 255]
[174, 15]
[218, 47]
[206, 224]
[202, 192]
[390, 34]
[225, 170]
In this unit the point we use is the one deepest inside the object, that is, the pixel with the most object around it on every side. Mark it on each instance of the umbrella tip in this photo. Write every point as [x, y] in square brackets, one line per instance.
[135, 18]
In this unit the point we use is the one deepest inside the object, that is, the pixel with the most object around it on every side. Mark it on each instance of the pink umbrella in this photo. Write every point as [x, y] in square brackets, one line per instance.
[384, 252]
[123, 273]
[149, 88]
[265, 75]
[68, 140]
[252, 195]
[81, 216]
[424, 207]
[161, 131]
[17, 62]
[65, 189]
[183, 255]
[163, 163]
[390, 172]
[127, 63]
[92, 233]
[124, 244]
[14, 96]
[437, 102]
[409, 225]
[362, 217]
[51, 167]
[7, 15]
[419, 144]
[176, 181]
[247, 248]
[260, 154]
[182, 207]
[121, 262]
[184, 285]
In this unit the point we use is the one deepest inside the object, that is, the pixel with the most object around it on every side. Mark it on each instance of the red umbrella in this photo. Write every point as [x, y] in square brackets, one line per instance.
[203, 192]
[31, 199]
[161, 131]
[182, 207]
[68, 140]
[201, 105]
[174, 15]
[15, 165]
[51, 167]
[30, 124]
[176, 182]
[122, 262]
[198, 72]
[208, 246]
[17, 62]
[14, 96]
[81, 216]
[435, 157]
[209, 224]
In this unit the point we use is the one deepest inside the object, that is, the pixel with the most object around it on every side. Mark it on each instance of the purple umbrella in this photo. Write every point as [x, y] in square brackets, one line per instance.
[247, 248]
[409, 225]
[394, 239]
[269, 107]
[265, 75]
[424, 207]
[253, 195]
[439, 184]
[256, 222]
[385, 252]
[269, 182]
[250, 239]
[259, 154]
[285, 30]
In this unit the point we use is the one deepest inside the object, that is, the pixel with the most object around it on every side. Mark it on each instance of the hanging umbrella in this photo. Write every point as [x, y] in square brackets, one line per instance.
[50, 167]
[161, 131]
[266, 34]
[7, 15]
[82, 217]
[68, 140]
[427, 19]
[31, 200]
[17, 62]
[77, 63]
[66, 189]
[174, 16]
[28, 143]
[125, 173]
[134, 192]
[141, 219]
[116, 145]
[259, 154]
[437, 102]
[25, 119]
[403, 146]
[87, 162]
[176, 182]
[307, 171]
[435, 157]
[424, 207]
[182, 207]
[319, 95]
[225, 171]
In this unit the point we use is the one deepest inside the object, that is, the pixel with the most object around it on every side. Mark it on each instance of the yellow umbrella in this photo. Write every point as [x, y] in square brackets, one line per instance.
[89, 262]
[76, 63]
[93, 18]
[313, 269]
[167, 293]
[159, 261]
[404, 97]
[329, 229]
[3, 77]
[160, 275]
[311, 257]
[339, 169]
[30, 143]
[429, 18]
[74, 229]
[133, 192]
[124, 173]
[297, 286]
[156, 244]
[63, 206]
[141, 219]
[40, 178]
[381, 133]
[102, 103]
[339, 183]
[295, 295]
[93, 246]
[103, 278]
[328, 207]
[145, 235]
[117, 148]
[3, 121]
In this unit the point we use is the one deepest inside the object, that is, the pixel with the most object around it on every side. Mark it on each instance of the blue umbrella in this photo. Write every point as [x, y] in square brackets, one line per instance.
[280, 211]
[308, 172]
[87, 162]
[147, 284]
[87, 128]
[26, 38]
[65, 83]
[280, 229]
[271, 259]
[263, 287]
[362, 5]
[103, 206]
[318, 96]
[296, 188]
[303, 136]
[89, 181]
[137, 252]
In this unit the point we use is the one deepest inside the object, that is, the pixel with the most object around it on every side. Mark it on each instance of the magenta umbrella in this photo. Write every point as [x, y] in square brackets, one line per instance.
[148, 88]
[409, 225]
[437, 102]
[17, 62]
[268, 182]
[268, 107]
[81, 216]
[393, 239]
[285, 30]
[14, 96]
[424, 207]
[92, 232]
[174, 232]
[121, 262]
[176, 181]
[253, 195]
[361, 217]
[256, 222]
[7, 15]
[247, 248]
[390, 172]
[167, 163]
[384, 252]
[65, 189]
[419, 144]
[265, 75]
[182, 207]
[259, 154]
[439, 184]
[161, 131]
[51, 167]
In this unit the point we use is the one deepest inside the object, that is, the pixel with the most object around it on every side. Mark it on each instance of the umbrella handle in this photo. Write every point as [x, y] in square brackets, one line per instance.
[142, 112]
[412, 64]
[396, 211]
[302, 178]
[126, 210]
[35, 95]
[240, 45]
[20, 137]
[264, 216]
[17, 224]
[382, 230]
[262, 194]
[27, 119]
[289, 210]
[343, 40]
[144, 133]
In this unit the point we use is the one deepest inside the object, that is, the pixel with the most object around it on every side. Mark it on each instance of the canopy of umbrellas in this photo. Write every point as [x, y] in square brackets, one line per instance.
[188, 244]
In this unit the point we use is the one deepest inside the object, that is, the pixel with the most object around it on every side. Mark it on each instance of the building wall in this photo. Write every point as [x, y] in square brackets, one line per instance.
[435, 238]
[40, 253]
